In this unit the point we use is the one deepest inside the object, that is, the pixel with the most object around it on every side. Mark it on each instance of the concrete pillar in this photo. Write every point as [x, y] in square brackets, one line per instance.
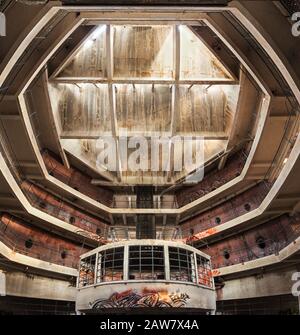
[2, 284]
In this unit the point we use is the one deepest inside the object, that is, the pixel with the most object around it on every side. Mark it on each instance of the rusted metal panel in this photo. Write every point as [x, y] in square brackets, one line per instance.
[212, 181]
[77, 180]
[203, 224]
[266, 239]
[62, 210]
[26, 239]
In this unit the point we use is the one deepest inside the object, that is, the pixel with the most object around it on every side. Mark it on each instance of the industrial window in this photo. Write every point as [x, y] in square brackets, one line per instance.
[204, 271]
[87, 271]
[182, 265]
[110, 265]
[146, 262]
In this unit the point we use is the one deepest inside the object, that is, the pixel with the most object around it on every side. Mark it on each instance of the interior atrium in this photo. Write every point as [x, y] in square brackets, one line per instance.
[149, 157]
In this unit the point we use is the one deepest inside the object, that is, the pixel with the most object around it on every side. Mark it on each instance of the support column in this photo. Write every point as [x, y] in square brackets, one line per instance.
[2, 284]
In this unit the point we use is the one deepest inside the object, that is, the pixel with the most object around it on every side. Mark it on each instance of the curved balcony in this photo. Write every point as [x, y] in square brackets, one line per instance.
[145, 274]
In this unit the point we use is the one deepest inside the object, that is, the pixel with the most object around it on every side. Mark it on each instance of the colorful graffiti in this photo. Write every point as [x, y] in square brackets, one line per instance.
[201, 235]
[130, 298]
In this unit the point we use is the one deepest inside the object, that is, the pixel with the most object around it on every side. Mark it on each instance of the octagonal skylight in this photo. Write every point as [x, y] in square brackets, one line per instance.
[141, 79]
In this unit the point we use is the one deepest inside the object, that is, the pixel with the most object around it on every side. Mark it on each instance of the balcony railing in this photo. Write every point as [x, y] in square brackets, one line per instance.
[28, 240]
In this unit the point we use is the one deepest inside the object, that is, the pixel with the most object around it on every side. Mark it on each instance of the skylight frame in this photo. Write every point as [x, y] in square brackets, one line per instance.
[112, 81]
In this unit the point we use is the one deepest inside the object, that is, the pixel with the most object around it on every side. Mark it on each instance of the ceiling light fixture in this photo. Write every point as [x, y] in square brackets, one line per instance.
[88, 43]
[97, 32]
[207, 87]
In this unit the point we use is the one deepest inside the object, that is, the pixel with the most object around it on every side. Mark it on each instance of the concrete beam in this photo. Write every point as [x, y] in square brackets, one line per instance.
[93, 80]
[10, 117]
[243, 115]
[278, 35]
[75, 136]
[64, 55]
[34, 286]
[16, 257]
[255, 286]
[46, 48]
[112, 98]
[29, 164]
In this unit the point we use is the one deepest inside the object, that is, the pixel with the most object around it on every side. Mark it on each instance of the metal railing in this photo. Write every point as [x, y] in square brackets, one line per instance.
[267, 242]
[33, 247]
[228, 210]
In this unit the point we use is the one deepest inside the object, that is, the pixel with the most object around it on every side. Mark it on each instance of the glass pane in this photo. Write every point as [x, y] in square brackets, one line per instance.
[87, 271]
[83, 108]
[204, 272]
[182, 265]
[196, 60]
[90, 60]
[112, 265]
[143, 51]
[146, 267]
[143, 108]
[205, 109]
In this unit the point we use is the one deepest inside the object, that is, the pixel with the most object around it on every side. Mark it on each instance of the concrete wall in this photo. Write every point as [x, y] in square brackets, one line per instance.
[269, 284]
[33, 286]
[2, 284]
[144, 295]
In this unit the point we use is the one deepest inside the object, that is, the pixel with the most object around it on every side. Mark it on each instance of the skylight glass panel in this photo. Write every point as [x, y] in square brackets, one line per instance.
[143, 51]
[196, 60]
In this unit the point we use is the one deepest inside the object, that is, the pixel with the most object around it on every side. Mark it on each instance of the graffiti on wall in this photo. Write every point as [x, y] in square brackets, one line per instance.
[201, 235]
[147, 298]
